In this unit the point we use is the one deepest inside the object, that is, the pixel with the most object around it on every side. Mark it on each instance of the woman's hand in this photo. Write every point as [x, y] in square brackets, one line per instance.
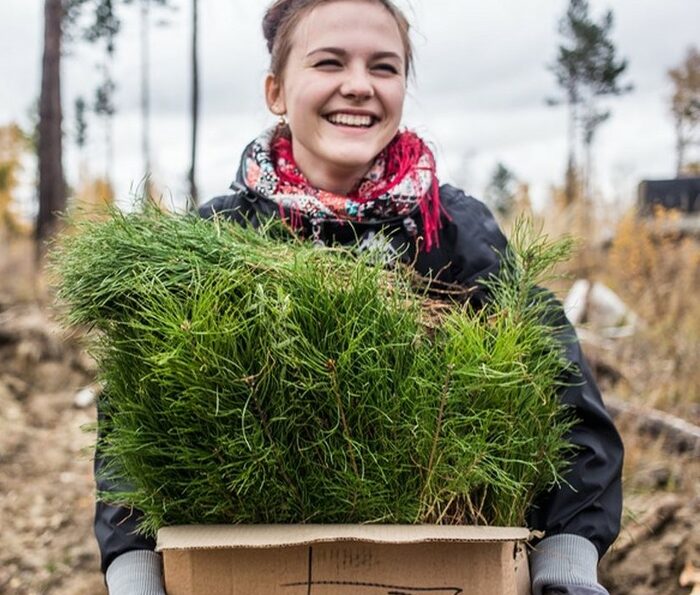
[576, 590]
[565, 564]
[138, 572]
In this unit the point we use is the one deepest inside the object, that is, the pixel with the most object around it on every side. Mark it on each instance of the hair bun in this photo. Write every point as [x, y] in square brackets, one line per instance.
[272, 20]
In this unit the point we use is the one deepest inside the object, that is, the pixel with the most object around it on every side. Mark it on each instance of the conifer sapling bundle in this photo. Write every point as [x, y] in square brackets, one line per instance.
[255, 378]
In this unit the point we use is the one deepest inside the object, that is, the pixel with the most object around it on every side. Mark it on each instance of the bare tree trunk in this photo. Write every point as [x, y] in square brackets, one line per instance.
[109, 125]
[587, 172]
[586, 210]
[570, 190]
[52, 191]
[109, 140]
[145, 93]
[680, 147]
[195, 106]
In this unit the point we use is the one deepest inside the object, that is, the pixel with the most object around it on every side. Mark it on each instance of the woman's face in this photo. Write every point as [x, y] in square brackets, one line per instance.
[342, 90]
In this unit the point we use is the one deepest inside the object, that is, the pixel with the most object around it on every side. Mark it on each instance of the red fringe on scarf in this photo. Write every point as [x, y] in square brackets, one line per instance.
[402, 156]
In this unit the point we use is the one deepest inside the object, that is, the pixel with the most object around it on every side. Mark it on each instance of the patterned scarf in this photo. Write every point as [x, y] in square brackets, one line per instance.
[401, 178]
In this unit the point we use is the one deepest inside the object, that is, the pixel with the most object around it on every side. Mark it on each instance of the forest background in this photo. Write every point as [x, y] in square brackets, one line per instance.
[557, 108]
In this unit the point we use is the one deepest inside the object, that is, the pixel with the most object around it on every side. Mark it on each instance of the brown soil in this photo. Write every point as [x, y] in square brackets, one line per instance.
[47, 489]
[660, 542]
[653, 563]
[46, 485]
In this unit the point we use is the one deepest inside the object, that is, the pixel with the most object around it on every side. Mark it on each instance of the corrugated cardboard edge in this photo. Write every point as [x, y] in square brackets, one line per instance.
[189, 537]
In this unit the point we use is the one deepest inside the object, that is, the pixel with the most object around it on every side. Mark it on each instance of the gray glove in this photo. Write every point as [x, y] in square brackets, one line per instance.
[565, 565]
[577, 590]
[138, 572]
[560, 565]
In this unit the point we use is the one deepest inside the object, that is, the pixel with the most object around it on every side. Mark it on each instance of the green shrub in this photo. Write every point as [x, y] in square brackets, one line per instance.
[254, 378]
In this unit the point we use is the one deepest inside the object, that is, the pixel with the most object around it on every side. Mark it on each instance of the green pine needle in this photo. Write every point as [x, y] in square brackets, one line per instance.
[253, 378]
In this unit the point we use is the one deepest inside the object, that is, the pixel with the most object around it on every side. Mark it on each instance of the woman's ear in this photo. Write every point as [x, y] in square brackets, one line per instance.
[274, 95]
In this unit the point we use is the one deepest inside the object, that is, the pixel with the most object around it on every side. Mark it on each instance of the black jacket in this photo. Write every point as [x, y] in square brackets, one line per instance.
[589, 504]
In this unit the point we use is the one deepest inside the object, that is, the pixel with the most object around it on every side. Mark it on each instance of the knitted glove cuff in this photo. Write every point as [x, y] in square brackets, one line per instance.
[562, 560]
[138, 572]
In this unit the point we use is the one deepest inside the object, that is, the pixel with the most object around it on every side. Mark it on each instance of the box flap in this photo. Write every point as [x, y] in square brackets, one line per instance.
[268, 536]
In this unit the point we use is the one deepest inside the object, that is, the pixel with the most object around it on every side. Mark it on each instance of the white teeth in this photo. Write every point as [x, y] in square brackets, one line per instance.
[350, 120]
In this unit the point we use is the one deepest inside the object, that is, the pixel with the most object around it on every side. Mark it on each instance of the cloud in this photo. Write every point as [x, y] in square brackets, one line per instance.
[479, 90]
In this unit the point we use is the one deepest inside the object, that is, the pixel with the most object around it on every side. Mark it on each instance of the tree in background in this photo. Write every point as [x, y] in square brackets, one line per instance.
[145, 87]
[52, 191]
[80, 135]
[586, 69]
[501, 190]
[92, 193]
[194, 105]
[60, 19]
[94, 21]
[104, 28]
[104, 108]
[145, 22]
[685, 106]
[104, 25]
[80, 123]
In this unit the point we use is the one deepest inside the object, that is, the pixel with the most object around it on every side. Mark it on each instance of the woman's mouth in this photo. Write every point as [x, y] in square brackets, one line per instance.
[351, 120]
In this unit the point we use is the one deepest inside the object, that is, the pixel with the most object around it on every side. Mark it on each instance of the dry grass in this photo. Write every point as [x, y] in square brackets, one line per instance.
[18, 267]
[656, 272]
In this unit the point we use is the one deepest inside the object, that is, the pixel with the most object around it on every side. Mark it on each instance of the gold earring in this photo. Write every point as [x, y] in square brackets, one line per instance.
[282, 120]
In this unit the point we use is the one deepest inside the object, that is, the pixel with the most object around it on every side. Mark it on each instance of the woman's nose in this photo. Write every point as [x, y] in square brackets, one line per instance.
[357, 84]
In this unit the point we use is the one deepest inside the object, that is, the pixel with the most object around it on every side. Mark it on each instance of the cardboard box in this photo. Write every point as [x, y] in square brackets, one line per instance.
[344, 560]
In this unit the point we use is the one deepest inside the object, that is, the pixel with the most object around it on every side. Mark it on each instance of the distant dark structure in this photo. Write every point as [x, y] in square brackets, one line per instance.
[682, 194]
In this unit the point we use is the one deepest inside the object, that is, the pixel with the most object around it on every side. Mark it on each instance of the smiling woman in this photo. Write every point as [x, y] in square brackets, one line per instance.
[340, 170]
[338, 78]
[342, 90]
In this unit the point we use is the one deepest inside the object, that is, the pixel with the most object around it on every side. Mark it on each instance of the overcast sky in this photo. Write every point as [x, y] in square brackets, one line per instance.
[478, 94]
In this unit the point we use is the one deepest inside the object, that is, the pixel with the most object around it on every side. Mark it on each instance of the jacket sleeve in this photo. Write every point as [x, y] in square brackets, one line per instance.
[237, 207]
[115, 526]
[589, 501]
[226, 205]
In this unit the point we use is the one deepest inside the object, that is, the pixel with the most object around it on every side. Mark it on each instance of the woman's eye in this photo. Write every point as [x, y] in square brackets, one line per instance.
[328, 63]
[386, 68]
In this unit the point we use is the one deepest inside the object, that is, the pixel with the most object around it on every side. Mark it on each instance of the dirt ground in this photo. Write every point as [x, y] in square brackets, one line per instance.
[46, 485]
[658, 549]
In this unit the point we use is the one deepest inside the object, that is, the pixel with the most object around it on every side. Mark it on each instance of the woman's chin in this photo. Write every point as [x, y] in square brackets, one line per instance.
[353, 155]
[351, 161]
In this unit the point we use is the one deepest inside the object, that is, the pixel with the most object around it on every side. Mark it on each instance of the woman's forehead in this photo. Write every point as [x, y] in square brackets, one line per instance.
[349, 25]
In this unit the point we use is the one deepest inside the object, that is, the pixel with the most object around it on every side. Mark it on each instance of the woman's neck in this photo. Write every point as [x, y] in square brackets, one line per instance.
[324, 176]
[334, 182]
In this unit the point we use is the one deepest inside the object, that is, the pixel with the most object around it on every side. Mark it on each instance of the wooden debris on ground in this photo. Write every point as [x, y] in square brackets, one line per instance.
[679, 435]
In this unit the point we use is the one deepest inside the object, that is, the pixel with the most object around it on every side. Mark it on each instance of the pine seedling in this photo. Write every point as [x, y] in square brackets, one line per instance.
[252, 378]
